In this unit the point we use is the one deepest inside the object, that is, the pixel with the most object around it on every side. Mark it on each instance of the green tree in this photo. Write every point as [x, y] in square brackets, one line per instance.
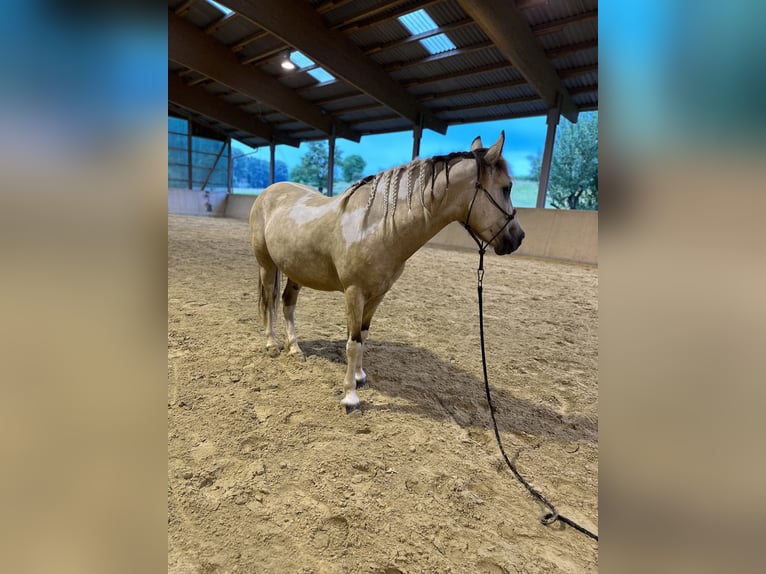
[313, 167]
[573, 181]
[352, 168]
[535, 165]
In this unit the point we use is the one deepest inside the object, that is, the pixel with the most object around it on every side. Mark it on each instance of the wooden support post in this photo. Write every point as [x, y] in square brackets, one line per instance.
[330, 163]
[212, 168]
[550, 138]
[189, 149]
[417, 133]
[230, 178]
[272, 161]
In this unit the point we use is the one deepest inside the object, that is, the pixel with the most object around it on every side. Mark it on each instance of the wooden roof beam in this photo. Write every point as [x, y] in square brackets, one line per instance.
[336, 98]
[220, 22]
[380, 15]
[493, 117]
[474, 90]
[184, 8]
[242, 44]
[554, 53]
[580, 71]
[477, 106]
[453, 75]
[417, 37]
[559, 25]
[478, 47]
[297, 24]
[330, 5]
[191, 47]
[356, 109]
[509, 30]
[204, 103]
[583, 89]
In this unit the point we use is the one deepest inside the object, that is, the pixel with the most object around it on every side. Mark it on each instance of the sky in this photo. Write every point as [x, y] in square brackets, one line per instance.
[523, 137]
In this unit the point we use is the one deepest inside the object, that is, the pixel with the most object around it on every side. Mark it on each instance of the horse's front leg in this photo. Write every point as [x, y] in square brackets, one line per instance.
[369, 310]
[355, 301]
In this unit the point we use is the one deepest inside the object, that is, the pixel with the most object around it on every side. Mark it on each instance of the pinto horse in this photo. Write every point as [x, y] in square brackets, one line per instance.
[358, 242]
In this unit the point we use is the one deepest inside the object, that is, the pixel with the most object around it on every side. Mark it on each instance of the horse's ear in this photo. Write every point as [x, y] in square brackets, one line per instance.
[476, 143]
[496, 150]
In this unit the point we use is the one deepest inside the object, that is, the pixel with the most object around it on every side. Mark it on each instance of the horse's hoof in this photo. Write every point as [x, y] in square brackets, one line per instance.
[272, 352]
[353, 408]
[298, 355]
[362, 383]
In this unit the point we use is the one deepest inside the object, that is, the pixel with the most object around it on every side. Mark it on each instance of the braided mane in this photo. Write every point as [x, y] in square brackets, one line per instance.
[387, 181]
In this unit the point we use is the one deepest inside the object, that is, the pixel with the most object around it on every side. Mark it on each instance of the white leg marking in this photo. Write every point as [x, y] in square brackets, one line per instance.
[359, 374]
[354, 356]
[272, 346]
[292, 337]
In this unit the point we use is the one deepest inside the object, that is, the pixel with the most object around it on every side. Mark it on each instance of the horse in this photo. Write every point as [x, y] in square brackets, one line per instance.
[359, 241]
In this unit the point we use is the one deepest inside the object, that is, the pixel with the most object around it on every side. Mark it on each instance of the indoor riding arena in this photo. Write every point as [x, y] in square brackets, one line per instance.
[266, 471]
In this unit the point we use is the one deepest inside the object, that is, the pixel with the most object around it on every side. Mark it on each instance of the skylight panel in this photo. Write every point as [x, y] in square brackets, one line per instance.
[419, 22]
[223, 9]
[301, 60]
[437, 44]
[322, 75]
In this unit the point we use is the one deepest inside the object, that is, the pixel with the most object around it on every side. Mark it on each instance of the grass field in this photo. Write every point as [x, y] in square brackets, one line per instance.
[524, 193]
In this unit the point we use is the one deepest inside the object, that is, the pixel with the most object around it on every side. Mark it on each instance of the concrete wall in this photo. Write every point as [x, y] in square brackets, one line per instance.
[239, 206]
[551, 233]
[192, 202]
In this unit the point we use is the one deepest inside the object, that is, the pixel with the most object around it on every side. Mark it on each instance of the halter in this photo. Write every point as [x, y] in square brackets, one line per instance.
[479, 187]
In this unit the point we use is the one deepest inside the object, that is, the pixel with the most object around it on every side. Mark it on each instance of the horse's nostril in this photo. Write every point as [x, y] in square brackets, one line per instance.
[522, 236]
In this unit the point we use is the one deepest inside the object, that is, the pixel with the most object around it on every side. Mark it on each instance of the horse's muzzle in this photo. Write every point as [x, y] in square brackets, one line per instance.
[509, 243]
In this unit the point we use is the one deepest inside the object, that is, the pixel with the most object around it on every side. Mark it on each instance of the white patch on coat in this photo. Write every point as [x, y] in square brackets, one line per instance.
[352, 226]
[302, 213]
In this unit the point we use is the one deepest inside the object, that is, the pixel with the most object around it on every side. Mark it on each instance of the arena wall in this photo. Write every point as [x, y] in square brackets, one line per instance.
[239, 206]
[561, 234]
[192, 202]
[558, 234]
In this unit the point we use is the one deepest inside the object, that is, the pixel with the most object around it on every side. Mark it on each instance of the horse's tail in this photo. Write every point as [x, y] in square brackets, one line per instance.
[263, 297]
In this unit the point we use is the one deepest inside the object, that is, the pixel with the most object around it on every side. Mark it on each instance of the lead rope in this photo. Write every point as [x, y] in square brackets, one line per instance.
[549, 517]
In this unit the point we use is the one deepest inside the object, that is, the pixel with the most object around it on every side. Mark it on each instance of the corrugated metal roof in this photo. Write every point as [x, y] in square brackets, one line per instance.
[232, 30]
[446, 12]
[473, 82]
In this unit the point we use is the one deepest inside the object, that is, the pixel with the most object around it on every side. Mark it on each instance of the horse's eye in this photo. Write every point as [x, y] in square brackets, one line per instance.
[507, 190]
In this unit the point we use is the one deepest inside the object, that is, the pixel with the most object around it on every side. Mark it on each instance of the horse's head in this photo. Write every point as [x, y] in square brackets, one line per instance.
[491, 215]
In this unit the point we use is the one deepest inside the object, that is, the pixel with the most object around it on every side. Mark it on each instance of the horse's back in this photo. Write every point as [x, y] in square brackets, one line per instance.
[275, 204]
[280, 195]
[292, 226]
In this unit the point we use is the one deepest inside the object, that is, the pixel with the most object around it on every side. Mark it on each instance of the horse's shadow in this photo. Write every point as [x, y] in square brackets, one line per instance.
[430, 386]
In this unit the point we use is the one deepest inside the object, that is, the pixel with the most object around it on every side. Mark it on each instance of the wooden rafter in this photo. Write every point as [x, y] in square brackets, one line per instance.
[297, 24]
[191, 47]
[201, 101]
[509, 30]
[558, 25]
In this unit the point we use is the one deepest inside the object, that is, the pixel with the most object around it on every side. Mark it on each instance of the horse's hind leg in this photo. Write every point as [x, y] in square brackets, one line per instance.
[289, 299]
[269, 279]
